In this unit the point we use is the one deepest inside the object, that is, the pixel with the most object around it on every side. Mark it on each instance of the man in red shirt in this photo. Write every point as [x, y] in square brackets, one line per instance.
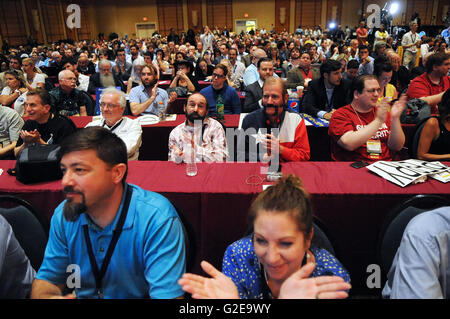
[431, 85]
[361, 34]
[365, 130]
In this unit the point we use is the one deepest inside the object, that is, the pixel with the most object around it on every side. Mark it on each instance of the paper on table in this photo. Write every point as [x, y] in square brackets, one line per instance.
[443, 177]
[148, 119]
[406, 172]
[171, 117]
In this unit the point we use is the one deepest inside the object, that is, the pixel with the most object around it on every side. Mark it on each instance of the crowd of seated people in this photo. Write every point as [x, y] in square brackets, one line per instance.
[360, 85]
[224, 66]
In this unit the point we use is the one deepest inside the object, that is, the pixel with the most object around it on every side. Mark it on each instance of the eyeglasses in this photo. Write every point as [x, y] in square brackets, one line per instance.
[108, 106]
[372, 91]
[220, 76]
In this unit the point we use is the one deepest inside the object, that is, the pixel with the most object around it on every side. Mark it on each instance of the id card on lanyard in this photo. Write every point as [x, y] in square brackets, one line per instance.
[373, 148]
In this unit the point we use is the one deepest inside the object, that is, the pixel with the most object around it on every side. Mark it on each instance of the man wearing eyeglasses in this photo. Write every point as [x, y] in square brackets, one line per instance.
[220, 89]
[68, 100]
[112, 105]
[365, 130]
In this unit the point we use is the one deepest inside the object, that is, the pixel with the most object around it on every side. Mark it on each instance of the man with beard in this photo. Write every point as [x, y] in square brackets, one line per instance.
[112, 105]
[104, 78]
[204, 134]
[327, 93]
[127, 242]
[42, 126]
[301, 75]
[365, 130]
[282, 131]
[148, 98]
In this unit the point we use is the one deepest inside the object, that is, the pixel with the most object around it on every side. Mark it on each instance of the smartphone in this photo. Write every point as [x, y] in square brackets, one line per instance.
[359, 164]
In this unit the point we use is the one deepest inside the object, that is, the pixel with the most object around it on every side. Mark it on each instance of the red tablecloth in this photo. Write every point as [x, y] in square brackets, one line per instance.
[351, 203]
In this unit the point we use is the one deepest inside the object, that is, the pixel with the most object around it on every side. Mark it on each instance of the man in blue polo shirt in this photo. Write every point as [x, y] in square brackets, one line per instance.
[109, 239]
[147, 98]
[219, 89]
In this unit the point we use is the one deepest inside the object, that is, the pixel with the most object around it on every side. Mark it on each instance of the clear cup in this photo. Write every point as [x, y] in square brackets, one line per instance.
[189, 159]
[300, 90]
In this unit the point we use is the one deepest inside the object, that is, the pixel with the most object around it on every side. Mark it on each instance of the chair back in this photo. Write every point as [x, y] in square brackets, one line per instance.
[29, 227]
[395, 224]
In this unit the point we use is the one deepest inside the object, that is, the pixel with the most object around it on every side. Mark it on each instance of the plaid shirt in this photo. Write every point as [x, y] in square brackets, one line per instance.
[212, 148]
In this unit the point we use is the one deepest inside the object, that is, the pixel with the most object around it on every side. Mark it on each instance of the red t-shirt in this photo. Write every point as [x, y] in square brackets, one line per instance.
[344, 120]
[361, 32]
[422, 86]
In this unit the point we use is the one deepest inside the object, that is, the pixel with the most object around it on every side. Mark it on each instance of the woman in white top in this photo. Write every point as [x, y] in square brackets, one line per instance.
[14, 93]
[32, 77]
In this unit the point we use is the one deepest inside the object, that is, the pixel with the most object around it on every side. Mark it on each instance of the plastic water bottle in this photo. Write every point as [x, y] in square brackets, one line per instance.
[220, 108]
[294, 101]
[189, 158]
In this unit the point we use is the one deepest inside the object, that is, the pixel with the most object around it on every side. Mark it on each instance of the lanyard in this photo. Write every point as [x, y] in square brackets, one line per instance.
[99, 274]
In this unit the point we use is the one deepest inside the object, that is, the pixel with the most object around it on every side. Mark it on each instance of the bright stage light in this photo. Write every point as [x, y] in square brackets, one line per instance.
[394, 8]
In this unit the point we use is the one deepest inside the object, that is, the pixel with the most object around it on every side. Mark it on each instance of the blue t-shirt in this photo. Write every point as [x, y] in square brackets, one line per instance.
[241, 264]
[231, 100]
[148, 259]
[139, 95]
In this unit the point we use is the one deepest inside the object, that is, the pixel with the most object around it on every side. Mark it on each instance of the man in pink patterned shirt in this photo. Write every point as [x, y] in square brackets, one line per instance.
[201, 133]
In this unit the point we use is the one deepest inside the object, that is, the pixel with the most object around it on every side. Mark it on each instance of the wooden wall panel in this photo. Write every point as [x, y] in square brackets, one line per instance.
[219, 13]
[308, 13]
[334, 11]
[12, 22]
[170, 15]
[279, 27]
[423, 7]
[54, 25]
[197, 6]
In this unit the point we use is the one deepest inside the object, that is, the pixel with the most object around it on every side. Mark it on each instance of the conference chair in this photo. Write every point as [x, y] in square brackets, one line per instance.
[29, 227]
[416, 138]
[189, 238]
[395, 223]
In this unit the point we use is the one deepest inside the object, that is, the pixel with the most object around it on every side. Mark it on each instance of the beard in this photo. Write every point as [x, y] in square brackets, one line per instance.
[107, 80]
[72, 210]
[150, 84]
[194, 116]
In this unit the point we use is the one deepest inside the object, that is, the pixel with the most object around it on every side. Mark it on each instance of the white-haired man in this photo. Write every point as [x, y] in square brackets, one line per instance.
[104, 78]
[112, 105]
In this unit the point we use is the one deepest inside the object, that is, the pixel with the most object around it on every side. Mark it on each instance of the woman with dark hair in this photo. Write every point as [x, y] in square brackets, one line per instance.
[277, 260]
[203, 70]
[183, 83]
[161, 60]
[434, 141]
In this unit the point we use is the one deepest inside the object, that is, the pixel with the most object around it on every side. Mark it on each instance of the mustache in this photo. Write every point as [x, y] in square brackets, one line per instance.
[70, 189]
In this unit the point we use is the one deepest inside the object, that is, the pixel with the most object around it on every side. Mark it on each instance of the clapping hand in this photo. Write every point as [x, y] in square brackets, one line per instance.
[299, 286]
[398, 107]
[29, 137]
[172, 96]
[218, 286]
[382, 110]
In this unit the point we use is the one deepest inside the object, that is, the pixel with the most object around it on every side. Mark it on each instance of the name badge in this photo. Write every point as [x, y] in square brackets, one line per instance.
[373, 148]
